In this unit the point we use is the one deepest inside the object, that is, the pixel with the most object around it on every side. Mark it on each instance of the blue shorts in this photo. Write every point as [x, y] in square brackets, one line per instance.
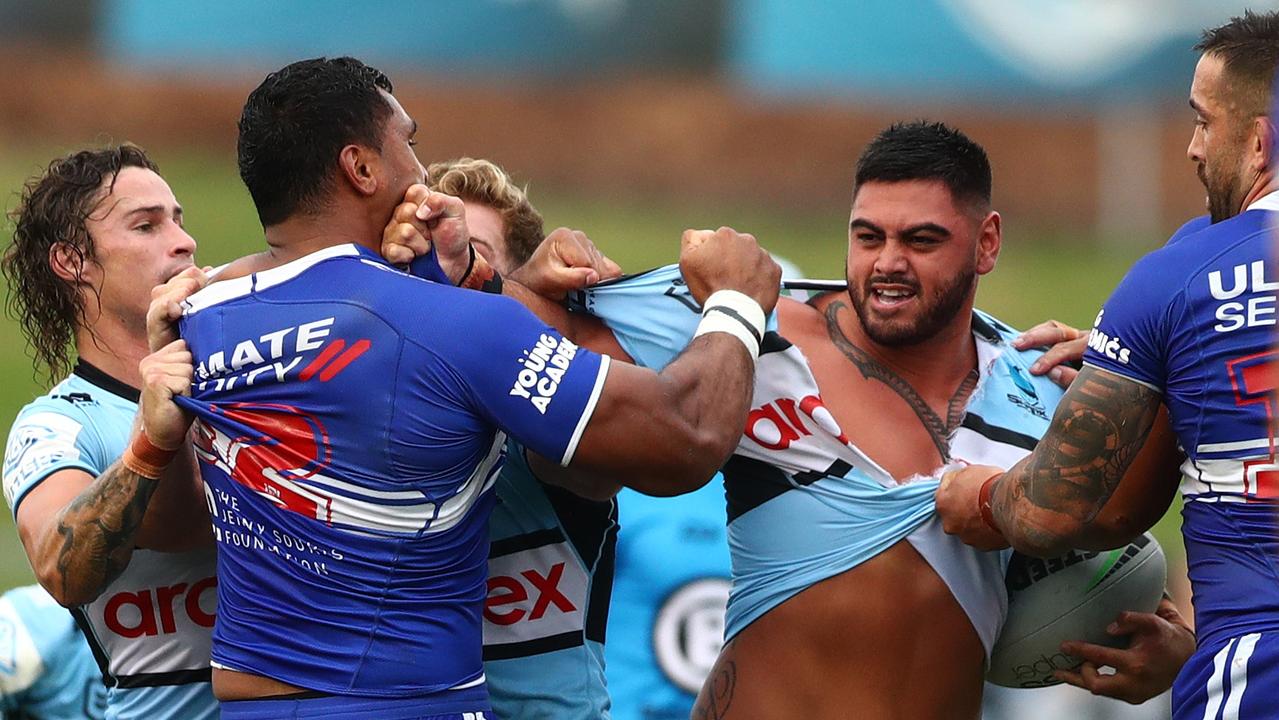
[1237, 680]
[468, 704]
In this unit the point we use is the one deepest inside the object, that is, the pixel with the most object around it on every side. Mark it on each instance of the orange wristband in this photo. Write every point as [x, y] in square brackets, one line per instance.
[983, 502]
[145, 459]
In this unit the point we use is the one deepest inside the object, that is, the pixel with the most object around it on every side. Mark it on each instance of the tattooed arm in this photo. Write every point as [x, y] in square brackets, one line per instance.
[79, 531]
[1049, 502]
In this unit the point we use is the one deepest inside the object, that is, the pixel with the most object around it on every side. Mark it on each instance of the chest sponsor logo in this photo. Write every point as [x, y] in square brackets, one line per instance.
[534, 594]
[1028, 399]
[689, 632]
[271, 358]
[777, 424]
[161, 610]
[541, 370]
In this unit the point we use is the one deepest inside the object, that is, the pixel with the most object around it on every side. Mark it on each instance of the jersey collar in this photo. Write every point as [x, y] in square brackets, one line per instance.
[95, 376]
[1265, 202]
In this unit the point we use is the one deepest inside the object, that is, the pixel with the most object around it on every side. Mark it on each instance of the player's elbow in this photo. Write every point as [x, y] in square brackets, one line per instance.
[67, 594]
[685, 466]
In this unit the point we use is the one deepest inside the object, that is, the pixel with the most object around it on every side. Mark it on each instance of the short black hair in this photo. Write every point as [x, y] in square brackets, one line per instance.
[1249, 48]
[923, 150]
[295, 124]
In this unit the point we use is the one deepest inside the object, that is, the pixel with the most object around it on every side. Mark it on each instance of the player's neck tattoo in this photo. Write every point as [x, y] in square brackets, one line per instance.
[938, 429]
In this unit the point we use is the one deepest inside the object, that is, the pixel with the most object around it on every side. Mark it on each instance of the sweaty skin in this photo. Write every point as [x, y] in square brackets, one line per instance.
[783, 665]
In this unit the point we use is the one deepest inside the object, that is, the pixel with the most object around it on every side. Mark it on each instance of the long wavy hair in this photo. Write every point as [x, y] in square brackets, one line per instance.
[52, 213]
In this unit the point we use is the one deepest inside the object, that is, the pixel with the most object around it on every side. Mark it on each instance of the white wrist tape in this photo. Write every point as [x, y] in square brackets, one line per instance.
[735, 313]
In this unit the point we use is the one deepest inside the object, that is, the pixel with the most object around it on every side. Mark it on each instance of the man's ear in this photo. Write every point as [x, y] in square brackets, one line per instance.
[360, 168]
[989, 241]
[71, 265]
[1263, 145]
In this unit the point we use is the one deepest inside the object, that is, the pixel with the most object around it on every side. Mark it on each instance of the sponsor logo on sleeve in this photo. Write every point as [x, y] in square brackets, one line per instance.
[38, 443]
[541, 370]
[1104, 344]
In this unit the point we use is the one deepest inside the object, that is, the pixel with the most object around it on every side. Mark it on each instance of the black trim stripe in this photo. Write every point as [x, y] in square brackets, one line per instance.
[551, 643]
[978, 425]
[749, 483]
[773, 342]
[176, 677]
[99, 653]
[987, 330]
[94, 376]
[816, 285]
[730, 312]
[591, 527]
[527, 541]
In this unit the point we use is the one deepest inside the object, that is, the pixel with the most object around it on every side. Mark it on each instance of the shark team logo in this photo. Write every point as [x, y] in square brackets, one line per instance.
[281, 453]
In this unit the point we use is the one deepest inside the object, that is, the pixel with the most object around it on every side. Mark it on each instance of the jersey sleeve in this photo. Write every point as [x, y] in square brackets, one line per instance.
[526, 378]
[21, 663]
[653, 315]
[49, 435]
[1130, 335]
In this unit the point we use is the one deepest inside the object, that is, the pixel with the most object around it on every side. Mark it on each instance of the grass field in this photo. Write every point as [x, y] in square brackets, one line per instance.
[1040, 275]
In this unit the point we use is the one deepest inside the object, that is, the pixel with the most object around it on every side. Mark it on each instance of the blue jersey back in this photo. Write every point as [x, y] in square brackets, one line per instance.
[1195, 320]
[350, 427]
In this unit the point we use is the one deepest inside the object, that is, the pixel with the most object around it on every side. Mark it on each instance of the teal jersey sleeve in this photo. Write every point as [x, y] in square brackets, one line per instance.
[55, 432]
[46, 669]
[652, 314]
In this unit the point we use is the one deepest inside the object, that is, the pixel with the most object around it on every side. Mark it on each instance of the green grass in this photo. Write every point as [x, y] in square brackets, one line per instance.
[1039, 275]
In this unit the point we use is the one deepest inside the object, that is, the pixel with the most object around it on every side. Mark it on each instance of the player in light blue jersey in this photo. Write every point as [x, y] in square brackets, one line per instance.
[119, 547]
[1192, 327]
[552, 552]
[46, 669]
[834, 544]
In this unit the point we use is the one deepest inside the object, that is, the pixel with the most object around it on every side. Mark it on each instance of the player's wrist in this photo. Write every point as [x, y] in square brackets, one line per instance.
[145, 458]
[734, 313]
[985, 497]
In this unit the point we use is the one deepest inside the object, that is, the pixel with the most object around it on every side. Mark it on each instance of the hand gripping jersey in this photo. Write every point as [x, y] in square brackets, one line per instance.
[150, 629]
[350, 427]
[46, 670]
[794, 469]
[1195, 320]
[550, 575]
[669, 595]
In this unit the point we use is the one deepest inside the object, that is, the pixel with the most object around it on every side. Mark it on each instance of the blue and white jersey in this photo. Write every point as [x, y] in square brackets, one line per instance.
[150, 629]
[794, 467]
[550, 573]
[46, 669]
[669, 595]
[350, 426]
[1195, 320]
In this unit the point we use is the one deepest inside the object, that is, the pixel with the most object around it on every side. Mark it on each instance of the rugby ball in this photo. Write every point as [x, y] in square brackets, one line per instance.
[1072, 597]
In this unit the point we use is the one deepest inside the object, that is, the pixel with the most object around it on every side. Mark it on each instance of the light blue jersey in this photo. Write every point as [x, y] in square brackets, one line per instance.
[150, 628]
[46, 670]
[794, 467]
[550, 577]
[666, 626]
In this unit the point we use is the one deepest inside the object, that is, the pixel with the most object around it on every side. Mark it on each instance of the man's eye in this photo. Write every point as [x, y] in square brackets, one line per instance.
[145, 227]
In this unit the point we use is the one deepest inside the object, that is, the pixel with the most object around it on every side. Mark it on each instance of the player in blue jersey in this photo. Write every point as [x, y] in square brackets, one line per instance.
[1192, 327]
[551, 552]
[352, 418]
[119, 547]
[46, 669]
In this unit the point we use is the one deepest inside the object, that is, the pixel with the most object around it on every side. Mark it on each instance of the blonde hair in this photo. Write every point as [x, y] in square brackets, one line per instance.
[483, 182]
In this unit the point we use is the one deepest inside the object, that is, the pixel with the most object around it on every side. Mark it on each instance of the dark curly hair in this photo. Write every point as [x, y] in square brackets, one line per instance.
[51, 212]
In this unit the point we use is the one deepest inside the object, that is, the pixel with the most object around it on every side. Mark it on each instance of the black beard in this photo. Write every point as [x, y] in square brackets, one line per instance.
[1222, 203]
[942, 308]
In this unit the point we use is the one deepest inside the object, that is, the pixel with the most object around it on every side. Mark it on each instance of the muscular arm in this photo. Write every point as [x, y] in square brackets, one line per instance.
[79, 531]
[1049, 502]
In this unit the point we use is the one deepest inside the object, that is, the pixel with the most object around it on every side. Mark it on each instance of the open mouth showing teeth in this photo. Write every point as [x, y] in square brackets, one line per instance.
[894, 296]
